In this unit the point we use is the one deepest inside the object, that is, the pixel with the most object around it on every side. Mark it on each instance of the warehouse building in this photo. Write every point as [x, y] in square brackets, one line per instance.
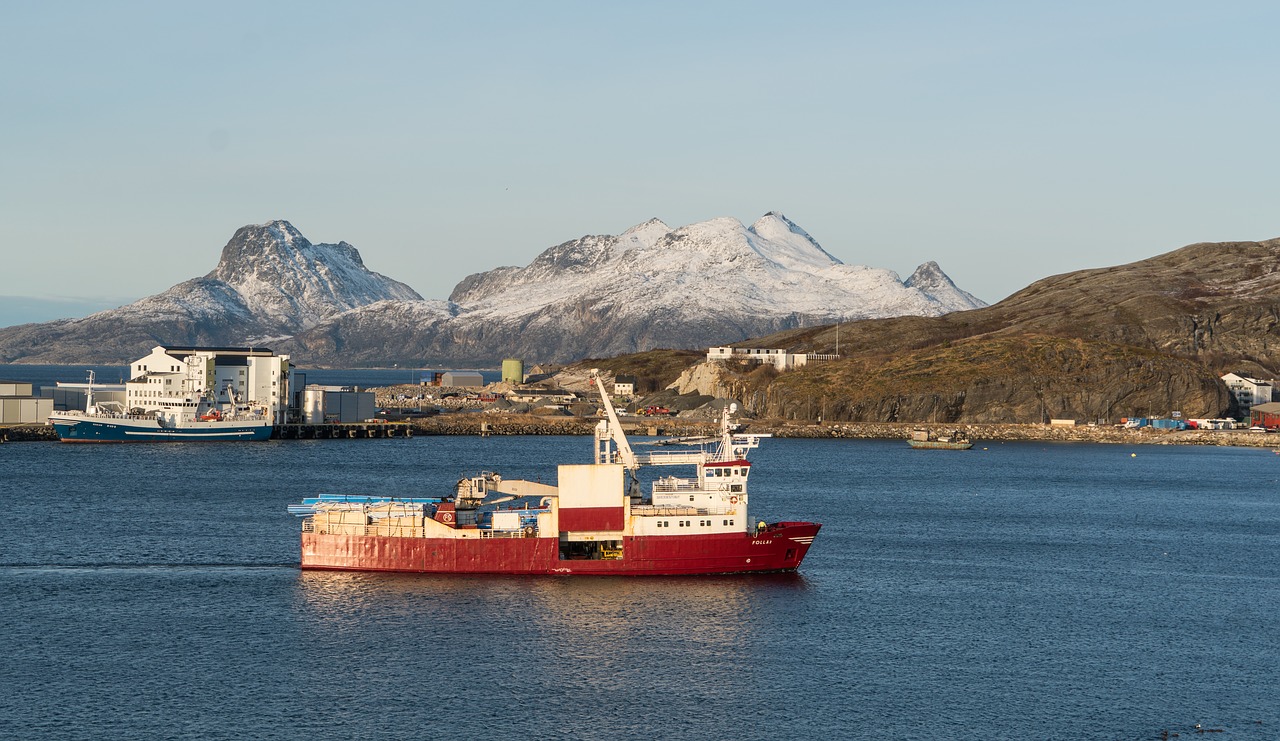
[18, 406]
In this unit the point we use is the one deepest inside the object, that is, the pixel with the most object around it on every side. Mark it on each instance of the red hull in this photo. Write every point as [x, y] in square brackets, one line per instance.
[780, 547]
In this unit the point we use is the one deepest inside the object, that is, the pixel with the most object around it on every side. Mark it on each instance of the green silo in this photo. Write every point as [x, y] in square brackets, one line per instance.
[512, 370]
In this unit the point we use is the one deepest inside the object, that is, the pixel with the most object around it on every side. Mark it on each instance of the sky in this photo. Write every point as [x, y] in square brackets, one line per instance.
[1008, 141]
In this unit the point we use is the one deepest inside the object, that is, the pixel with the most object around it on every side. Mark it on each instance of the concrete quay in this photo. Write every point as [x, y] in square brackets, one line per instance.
[351, 430]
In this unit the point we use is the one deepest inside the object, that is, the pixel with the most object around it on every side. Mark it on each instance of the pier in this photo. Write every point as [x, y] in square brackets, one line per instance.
[341, 430]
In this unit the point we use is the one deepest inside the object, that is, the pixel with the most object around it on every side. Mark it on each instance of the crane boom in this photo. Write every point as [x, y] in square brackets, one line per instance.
[616, 434]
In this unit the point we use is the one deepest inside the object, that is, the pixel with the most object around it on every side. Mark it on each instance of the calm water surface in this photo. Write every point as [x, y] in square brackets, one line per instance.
[1024, 591]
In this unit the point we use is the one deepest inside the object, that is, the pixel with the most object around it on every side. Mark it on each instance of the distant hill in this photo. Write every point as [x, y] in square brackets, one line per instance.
[1147, 338]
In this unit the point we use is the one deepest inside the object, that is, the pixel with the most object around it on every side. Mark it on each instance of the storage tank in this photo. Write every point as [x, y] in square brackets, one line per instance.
[513, 370]
[313, 405]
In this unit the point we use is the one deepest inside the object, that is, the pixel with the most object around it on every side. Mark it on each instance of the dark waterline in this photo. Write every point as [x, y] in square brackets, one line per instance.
[1025, 591]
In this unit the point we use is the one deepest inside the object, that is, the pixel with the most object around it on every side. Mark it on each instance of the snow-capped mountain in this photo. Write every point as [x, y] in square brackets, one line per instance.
[286, 281]
[707, 283]
[771, 268]
[930, 279]
[269, 283]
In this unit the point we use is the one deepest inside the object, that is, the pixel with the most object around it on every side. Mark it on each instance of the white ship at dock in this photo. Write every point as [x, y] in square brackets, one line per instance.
[187, 416]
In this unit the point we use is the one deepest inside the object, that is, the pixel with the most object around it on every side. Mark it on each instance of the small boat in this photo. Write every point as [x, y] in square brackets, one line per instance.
[922, 439]
[187, 417]
[594, 520]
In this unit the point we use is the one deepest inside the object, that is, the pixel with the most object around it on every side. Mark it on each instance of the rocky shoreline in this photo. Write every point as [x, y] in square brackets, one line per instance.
[477, 424]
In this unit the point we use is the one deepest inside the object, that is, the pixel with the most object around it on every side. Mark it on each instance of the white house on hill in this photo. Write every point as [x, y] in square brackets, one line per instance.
[1248, 391]
[780, 359]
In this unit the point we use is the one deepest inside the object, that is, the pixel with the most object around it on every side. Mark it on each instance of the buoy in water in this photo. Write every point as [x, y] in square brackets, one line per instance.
[1133, 455]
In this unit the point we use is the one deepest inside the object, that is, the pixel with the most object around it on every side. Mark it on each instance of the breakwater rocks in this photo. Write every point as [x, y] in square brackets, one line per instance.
[469, 424]
[27, 433]
[1042, 433]
[531, 424]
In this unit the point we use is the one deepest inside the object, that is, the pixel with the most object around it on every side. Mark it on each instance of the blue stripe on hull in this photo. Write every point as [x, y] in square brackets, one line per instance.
[99, 432]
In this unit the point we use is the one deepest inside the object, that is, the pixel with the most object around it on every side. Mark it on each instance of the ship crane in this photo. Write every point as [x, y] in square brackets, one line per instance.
[610, 431]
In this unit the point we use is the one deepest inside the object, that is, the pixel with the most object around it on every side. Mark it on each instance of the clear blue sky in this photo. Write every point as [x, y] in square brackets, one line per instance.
[1006, 140]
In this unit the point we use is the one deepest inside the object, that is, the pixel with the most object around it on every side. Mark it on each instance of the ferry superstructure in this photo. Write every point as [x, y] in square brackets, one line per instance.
[595, 520]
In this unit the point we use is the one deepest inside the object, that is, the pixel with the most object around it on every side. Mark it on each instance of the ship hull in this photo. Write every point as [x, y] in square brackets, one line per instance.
[939, 445]
[778, 549]
[92, 430]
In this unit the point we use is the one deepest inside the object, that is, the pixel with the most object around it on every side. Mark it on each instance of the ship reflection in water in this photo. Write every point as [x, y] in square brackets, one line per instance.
[593, 619]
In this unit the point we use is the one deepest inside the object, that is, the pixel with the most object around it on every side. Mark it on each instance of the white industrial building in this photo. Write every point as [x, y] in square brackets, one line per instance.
[230, 375]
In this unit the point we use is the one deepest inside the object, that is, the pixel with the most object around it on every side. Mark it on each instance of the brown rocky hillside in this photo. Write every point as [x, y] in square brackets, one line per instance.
[1147, 338]
[1216, 302]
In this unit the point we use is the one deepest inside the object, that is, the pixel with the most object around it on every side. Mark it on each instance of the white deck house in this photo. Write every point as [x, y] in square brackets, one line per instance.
[1248, 391]
[256, 377]
[780, 359]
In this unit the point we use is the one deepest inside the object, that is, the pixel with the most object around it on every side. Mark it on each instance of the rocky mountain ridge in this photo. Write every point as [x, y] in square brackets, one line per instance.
[269, 283]
[651, 286]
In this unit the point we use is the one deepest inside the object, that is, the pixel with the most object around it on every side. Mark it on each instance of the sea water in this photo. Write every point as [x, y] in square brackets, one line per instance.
[1021, 591]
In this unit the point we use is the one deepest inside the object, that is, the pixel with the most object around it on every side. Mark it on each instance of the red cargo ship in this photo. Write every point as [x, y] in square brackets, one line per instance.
[594, 521]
